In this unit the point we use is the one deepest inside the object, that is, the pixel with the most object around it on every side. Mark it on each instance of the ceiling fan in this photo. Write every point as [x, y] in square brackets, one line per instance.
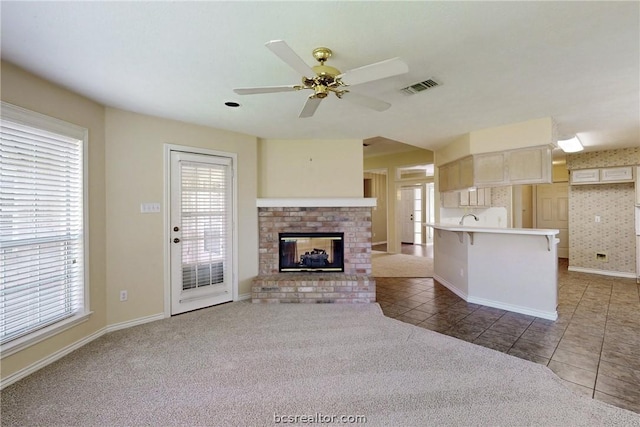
[326, 79]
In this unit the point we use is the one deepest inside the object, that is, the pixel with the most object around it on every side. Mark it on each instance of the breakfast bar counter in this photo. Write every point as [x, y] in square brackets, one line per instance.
[514, 269]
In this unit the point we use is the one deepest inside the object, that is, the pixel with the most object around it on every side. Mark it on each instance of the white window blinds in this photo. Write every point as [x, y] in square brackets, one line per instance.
[205, 223]
[41, 228]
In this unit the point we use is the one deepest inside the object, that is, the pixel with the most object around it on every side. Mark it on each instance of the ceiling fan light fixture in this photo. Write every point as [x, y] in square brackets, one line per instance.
[323, 79]
[321, 91]
[571, 145]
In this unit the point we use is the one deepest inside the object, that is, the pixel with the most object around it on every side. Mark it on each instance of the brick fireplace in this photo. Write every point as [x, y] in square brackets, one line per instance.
[349, 216]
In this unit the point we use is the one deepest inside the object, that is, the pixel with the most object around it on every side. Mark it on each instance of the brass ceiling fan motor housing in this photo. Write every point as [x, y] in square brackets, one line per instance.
[325, 78]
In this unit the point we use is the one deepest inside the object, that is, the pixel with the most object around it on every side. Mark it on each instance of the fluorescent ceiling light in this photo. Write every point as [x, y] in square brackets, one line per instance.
[571, 145]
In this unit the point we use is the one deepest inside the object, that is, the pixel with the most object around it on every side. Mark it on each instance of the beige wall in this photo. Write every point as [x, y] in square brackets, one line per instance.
[28, 91]
[310, 168]
[614, 203]
[560, 173]
[134, 172]
[126, 169]
[456, 149]
[378, 189]
[392, 163]
[530, 133]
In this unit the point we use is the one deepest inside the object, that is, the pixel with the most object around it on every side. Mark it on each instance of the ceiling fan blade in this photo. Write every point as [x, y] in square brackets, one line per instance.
[284, 52]
[265, 89]
[310, 106]
[366, 101]
[376, 71]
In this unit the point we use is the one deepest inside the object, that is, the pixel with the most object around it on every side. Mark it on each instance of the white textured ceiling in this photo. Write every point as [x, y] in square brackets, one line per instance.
[497, 62]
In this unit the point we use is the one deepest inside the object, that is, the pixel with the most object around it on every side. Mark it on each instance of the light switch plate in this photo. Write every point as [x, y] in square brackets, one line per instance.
[150, 208]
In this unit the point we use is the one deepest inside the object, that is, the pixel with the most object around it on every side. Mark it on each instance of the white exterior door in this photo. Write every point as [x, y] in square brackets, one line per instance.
[411, 215]
[201, 230]
[552, 211]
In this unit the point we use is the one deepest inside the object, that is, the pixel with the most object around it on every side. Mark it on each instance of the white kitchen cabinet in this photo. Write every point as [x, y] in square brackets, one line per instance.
[464, 197]
[621, 174]
[529, 165]
[585, 176]
[490, 169]
[481, 197]
[613, 175]
[512, 167]
[484, 197]
[456, 175]
[466, 172]
[443, 178]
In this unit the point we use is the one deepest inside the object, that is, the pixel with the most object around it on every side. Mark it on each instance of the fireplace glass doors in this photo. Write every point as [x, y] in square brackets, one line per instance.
[311, 252]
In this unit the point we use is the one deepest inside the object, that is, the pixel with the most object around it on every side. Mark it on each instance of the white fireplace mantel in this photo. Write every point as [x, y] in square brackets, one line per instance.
[337, 202]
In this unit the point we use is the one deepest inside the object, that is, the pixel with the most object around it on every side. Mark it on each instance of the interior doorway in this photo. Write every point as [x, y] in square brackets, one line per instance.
[552, 211]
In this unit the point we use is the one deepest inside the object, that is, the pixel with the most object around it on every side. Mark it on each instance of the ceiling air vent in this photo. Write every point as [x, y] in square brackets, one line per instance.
[419, 87]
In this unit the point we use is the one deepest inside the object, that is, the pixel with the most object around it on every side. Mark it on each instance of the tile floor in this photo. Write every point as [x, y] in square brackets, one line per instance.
[594, 345]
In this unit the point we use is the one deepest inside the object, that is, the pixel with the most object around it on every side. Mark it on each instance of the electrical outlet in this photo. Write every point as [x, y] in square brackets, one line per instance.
[123, 295]
[597, 218]
[461, 272]
[602, 257]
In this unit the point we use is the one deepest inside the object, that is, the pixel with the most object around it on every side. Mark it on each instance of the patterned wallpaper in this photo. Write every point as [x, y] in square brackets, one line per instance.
[614, 203]
[602, 159]
[614, 234]
[501, 197]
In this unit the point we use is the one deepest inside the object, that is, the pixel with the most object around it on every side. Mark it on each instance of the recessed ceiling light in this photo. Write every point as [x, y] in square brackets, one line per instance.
[232, 104]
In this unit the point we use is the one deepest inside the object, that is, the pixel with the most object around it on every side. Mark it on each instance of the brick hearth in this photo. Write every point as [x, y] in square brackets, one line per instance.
[354, 285]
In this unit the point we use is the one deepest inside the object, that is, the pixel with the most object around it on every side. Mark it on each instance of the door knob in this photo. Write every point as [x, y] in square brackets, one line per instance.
[176, 240]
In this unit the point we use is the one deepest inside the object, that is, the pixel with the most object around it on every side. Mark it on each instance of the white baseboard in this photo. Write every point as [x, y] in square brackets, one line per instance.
[24, 372]
[551, 315]
[603, 272]
[384, 242]
[450, 286]
[134, 322]
[244, 297]
[18, 375]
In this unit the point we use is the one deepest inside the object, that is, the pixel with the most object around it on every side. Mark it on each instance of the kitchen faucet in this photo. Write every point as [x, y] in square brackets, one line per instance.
[466, 215]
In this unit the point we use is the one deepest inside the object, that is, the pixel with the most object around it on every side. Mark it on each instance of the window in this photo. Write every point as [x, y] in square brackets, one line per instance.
[43, 286]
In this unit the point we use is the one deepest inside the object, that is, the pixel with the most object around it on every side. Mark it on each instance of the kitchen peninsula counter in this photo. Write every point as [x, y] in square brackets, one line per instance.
[514, 269]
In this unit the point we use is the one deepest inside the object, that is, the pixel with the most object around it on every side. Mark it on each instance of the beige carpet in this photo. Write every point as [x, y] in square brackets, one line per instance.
[244, 364]
[400, 265]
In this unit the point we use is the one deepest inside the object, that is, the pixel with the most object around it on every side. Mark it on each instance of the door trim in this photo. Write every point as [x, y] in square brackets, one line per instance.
[167, 149]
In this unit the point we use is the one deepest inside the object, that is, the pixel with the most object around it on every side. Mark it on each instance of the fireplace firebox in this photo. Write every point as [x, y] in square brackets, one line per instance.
[316, 252]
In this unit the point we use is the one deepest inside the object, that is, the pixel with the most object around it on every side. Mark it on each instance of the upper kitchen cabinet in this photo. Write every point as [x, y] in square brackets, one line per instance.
[456, 175]
[466, 172]
[530, 165]
[490, 169]
[612, 175]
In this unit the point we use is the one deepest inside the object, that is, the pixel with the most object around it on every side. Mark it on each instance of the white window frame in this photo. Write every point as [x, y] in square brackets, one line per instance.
[15, 114]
